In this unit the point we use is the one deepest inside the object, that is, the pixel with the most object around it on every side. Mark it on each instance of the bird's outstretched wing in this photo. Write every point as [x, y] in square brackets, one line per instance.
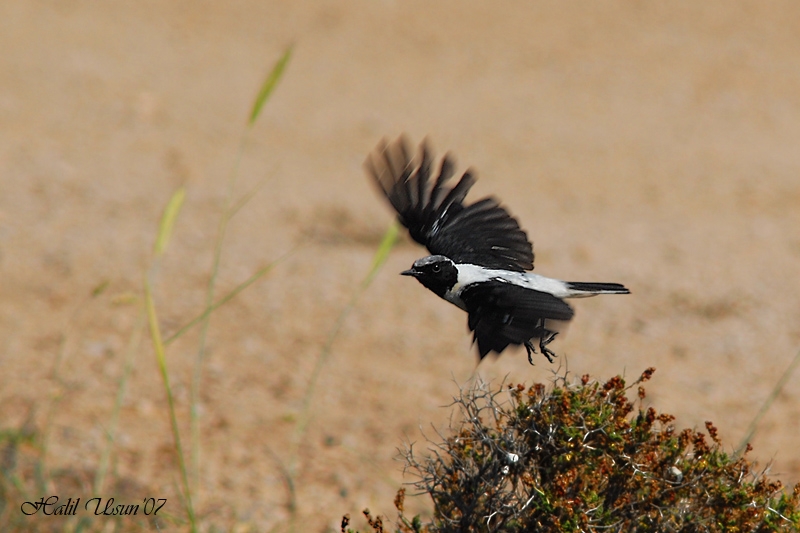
[482, 233]
[502, 313]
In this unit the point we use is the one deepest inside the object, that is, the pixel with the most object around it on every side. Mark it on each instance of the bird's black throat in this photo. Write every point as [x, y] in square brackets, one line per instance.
[436, 272]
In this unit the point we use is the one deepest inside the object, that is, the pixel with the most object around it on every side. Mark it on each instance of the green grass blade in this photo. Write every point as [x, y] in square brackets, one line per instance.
[101, 288]
[386, 245]
[269, 85]
[168, 220]
[158, 346]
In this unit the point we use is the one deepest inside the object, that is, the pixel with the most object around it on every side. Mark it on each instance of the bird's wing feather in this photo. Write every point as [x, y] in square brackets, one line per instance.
[501, 313]
[482, 233]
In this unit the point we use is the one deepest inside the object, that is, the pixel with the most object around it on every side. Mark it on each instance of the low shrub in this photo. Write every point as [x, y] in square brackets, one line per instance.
[582, 456]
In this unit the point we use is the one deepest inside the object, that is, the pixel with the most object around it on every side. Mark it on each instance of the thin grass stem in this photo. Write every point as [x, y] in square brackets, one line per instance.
[111, 433]
[386, 245]
[205, 321]
[228, 297]
[776, 390]
[158, 345]
[229, 210]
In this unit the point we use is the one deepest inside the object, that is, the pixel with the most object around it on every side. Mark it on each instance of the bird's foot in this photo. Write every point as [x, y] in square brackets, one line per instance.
[531, 350]
[546, 339]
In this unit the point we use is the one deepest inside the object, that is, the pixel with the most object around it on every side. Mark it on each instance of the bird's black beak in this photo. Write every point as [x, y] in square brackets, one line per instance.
[410, 272]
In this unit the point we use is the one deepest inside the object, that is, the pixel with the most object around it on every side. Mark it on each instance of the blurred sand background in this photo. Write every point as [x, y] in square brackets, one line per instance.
[650, 144]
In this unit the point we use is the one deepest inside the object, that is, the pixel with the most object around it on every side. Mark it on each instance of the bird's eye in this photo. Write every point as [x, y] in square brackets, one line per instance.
[437, 267]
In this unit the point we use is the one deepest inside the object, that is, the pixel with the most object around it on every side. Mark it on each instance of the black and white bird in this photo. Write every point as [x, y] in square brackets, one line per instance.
[480, 256]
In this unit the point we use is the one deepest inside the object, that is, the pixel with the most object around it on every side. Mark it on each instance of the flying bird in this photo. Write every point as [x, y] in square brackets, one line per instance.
[480, 257]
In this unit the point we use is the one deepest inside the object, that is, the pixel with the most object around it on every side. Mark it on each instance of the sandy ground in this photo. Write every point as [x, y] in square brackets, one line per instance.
[655, 146]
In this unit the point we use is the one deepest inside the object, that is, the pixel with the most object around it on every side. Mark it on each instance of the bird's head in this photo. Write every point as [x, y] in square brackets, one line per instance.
[436, 272]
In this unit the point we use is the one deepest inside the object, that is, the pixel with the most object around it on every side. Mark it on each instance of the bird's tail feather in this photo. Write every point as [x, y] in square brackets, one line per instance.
[584, 288]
